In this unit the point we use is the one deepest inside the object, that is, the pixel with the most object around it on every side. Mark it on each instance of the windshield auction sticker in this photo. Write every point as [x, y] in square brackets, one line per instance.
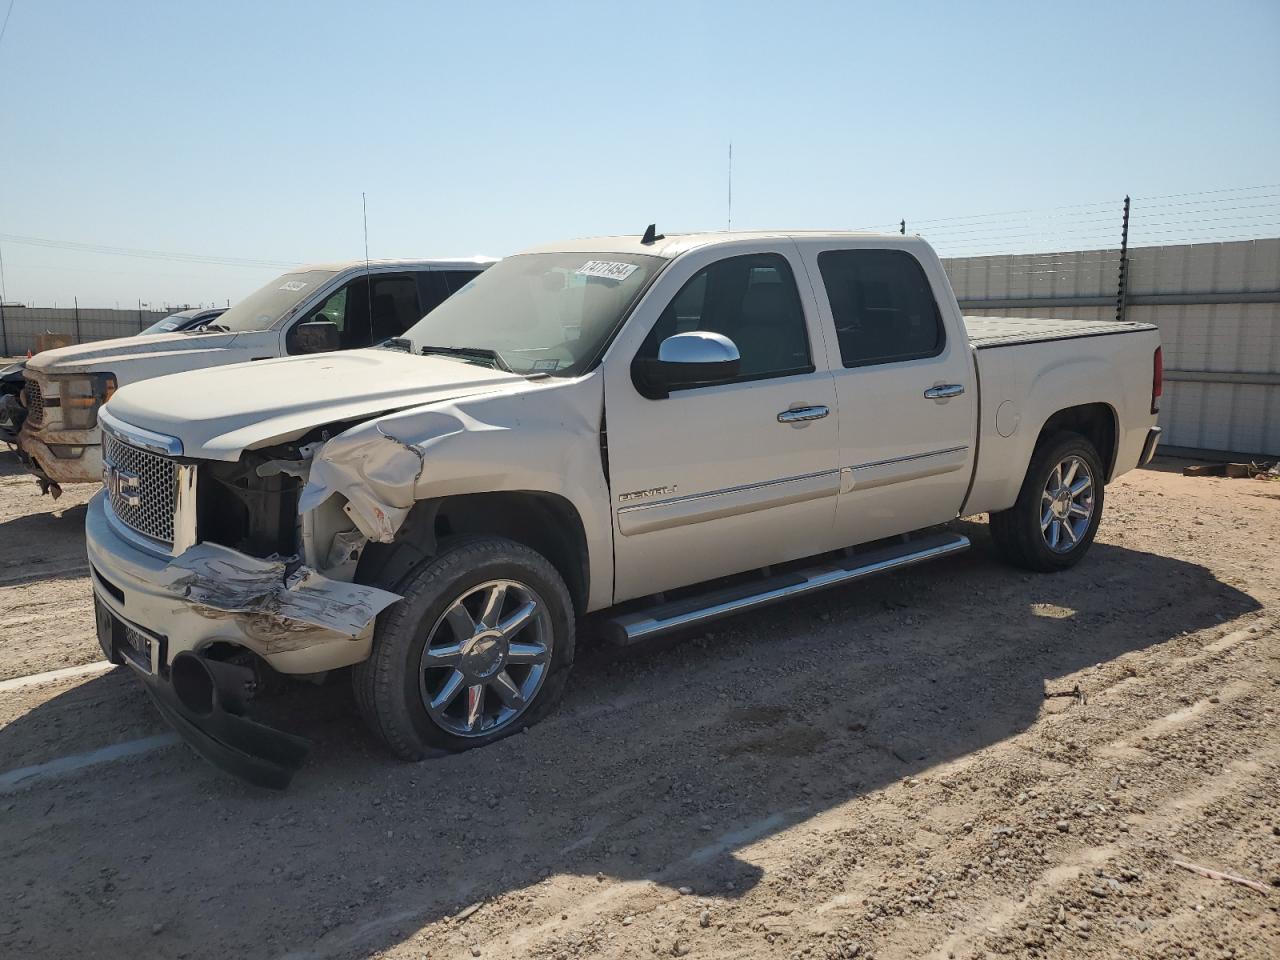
[294, 285]
[607, 269]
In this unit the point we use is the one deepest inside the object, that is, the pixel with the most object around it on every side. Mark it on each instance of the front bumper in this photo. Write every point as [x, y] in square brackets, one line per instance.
[216, 728]
[149, 617]
[81, 461]
[143, 588]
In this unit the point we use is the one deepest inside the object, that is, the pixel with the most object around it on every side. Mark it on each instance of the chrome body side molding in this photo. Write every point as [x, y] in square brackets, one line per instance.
[879, 473]
[733, 501]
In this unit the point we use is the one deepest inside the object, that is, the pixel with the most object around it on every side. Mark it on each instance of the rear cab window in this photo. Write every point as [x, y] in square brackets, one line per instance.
[883, 306]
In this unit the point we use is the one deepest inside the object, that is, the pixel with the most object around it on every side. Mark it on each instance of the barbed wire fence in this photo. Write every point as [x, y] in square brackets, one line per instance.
[1046, 247]
[1203, 266]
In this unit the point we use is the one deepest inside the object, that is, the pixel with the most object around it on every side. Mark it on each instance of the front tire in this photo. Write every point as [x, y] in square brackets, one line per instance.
[1055, 518]
[479, 648]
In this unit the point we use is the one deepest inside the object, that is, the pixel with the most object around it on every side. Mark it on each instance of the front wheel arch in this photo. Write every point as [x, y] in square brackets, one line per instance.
[546, 523]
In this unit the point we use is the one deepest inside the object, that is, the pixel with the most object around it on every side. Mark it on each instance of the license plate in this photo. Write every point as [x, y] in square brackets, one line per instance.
[135, 645]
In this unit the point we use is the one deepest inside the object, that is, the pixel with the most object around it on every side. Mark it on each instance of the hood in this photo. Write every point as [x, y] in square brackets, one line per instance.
[219, 412]
[135, 358]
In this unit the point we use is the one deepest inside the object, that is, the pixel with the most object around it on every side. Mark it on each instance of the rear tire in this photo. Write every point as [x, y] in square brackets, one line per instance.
[479, 648]
[1053, 522]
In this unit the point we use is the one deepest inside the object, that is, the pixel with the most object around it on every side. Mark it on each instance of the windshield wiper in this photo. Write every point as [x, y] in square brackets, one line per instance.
[215, 327]
[471, 355]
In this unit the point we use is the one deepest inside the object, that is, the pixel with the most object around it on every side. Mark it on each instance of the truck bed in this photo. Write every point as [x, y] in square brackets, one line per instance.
[987, 332]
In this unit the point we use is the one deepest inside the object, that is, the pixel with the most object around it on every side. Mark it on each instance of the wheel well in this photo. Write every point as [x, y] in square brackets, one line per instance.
[543, 522]
[1096, 421]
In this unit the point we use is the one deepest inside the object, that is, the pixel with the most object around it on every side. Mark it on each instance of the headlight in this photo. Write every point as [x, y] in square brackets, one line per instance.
[81, 398]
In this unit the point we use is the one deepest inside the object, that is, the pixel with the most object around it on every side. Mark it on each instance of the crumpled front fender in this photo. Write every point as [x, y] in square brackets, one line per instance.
[542, 439]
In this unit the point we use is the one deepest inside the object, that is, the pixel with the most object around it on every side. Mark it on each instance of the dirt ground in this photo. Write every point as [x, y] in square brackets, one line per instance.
[873, 772]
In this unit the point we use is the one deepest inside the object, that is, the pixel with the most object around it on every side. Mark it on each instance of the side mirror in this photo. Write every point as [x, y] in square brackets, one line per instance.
[697, 358]
[314, 336]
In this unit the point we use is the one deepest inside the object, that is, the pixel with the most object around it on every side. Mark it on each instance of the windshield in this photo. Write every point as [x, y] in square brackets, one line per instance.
[163, 326]
[260, 310]
[545, 313]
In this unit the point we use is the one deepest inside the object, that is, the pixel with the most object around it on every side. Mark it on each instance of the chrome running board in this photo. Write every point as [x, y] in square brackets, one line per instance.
[640, 625]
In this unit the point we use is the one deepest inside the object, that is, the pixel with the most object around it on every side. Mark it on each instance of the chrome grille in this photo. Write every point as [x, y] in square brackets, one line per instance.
[35, 403]
[141, 487]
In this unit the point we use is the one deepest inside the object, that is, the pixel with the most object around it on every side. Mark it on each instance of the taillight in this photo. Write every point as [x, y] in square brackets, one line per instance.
[1157, 379]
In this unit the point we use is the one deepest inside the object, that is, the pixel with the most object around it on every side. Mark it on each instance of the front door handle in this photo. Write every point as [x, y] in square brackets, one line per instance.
[944, 391]
[801, 414]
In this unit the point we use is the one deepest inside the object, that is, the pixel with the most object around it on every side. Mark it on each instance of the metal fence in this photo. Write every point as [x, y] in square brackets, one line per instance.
[21, 326]
[1203, 266]
[1218, 309]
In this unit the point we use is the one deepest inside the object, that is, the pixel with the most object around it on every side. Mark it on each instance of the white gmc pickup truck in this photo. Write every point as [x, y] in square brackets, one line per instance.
[338, 306]
[655, 431]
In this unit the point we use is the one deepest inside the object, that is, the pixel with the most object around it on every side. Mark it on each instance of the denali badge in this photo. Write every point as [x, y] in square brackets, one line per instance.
[641, 494]
[121, 485]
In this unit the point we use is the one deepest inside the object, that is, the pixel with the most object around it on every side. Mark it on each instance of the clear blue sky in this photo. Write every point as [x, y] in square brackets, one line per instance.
[249, 130]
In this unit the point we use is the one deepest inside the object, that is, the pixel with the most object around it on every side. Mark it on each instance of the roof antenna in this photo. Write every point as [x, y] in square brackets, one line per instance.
[730, 225]
[368, 274]
[651, 235]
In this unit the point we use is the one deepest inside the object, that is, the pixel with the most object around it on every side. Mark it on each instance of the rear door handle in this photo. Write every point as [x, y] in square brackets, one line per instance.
[944, 391]
[801, 414]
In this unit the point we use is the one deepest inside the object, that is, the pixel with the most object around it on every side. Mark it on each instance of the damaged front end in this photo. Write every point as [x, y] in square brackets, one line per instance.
[254, 613]
[206, 701]
[261, 586]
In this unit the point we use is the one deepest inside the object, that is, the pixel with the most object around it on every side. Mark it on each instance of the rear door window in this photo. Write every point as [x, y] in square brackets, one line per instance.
[882, 305]
[394, 305]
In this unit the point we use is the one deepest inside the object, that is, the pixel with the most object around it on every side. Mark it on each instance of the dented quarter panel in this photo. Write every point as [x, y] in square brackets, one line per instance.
[542, 438]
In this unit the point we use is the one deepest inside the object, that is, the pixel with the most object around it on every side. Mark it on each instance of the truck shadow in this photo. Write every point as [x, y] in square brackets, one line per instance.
[48, 545]
[662, 765]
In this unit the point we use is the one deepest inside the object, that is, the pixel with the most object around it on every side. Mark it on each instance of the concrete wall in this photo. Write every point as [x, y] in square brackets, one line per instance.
[1218, 309]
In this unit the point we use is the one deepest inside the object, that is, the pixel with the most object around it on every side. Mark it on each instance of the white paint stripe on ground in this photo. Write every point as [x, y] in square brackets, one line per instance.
[76, 570]
[25, 776]
[66, 673]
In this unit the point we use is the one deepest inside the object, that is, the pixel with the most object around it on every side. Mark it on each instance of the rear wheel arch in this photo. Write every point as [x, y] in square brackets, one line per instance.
[1097, 422]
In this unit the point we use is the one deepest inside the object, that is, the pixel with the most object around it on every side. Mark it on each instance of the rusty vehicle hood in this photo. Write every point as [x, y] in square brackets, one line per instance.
[218, 413]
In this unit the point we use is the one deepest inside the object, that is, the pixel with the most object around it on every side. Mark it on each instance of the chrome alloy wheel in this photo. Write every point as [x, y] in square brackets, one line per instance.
[1066, 505]
[485, 658]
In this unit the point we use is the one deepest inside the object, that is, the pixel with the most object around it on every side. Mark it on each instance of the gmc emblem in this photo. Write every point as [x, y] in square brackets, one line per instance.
[121, 485]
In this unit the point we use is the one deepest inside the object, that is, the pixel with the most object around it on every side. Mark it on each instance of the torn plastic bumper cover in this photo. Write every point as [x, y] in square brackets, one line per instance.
[273, 606]
[277, 603]
[208, 713]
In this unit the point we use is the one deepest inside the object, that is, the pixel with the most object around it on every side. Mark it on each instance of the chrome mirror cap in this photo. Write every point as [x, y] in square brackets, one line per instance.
[698, 346]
